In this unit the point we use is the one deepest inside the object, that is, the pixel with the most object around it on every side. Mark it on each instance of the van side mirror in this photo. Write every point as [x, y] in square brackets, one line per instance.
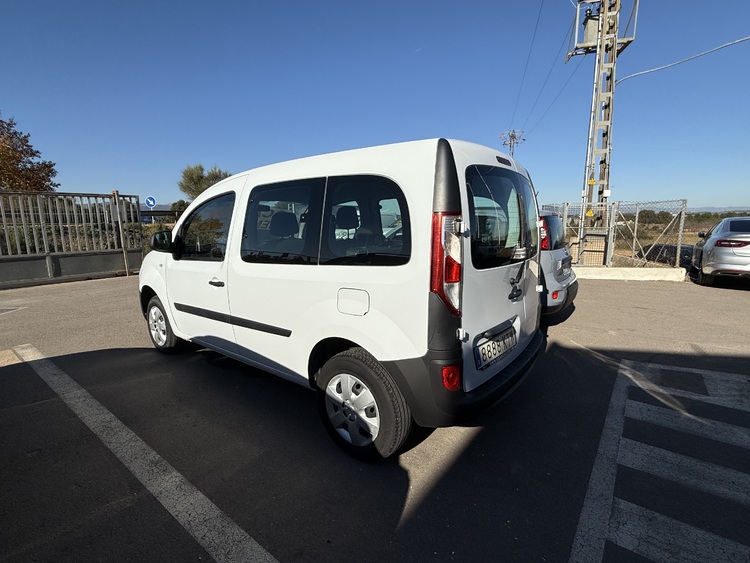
[161, 241]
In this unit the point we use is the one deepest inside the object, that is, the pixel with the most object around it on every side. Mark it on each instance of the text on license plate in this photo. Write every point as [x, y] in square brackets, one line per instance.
[498, 346]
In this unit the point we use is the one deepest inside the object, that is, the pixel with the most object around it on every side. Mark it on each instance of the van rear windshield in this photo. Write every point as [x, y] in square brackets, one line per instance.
[555, 232]
[499, 218]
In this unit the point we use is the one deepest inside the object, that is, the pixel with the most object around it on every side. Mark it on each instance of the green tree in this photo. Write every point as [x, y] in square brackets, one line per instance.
[195, 180]
[20, 167]
[179, 206]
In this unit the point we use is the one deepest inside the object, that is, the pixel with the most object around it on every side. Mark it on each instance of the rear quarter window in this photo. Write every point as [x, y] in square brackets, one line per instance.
[365, 222]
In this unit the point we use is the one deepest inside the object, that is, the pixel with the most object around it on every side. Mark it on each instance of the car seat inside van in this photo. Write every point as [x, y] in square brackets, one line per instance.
[400, 282]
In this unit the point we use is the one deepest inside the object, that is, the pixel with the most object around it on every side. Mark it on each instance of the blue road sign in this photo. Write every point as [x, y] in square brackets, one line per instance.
[150, 202]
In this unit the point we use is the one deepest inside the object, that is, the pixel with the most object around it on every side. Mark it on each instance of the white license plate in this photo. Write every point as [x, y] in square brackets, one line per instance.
[490, 351]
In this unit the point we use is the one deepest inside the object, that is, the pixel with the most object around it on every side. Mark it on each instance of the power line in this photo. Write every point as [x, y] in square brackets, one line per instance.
[549, 72]
[556, 97]
[526, 67]
[684, 60]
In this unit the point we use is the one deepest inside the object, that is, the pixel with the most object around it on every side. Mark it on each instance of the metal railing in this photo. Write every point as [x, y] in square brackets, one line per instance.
[58, 226]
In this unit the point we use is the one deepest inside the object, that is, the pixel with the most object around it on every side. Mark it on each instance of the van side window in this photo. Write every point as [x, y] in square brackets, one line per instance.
[204, 234]
[282, 223]
[496, 216]
[365, 223]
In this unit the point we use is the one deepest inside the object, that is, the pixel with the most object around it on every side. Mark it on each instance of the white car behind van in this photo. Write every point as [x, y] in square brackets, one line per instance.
[401, 282]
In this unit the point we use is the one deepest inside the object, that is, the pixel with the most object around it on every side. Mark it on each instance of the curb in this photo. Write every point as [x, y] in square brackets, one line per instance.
[634, 274]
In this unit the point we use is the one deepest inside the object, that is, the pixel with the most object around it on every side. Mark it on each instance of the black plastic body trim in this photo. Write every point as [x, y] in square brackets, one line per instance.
[433, 406]
[571, 292]
[441, 323]
[229, 319]
[447, 195]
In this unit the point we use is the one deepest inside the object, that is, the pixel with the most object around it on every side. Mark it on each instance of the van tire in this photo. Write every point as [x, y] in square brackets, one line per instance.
[361, 407]
[159, 329]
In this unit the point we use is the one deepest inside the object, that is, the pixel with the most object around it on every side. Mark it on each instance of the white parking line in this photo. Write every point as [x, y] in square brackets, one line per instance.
[654, 536]
[591, 534]
[211, 528]
[730, 390]
[694, 473]
[703, 427]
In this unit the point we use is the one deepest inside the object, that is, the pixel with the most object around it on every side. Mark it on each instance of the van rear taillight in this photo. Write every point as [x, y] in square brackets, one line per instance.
[447, 254]
[544, 234]
[452, 377]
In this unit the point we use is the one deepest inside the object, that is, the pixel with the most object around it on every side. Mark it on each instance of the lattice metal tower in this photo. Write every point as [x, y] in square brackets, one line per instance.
[600, 22]
[511, 139]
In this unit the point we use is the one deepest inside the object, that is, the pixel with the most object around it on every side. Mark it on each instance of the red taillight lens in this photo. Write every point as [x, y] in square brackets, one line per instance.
[731, 243]
[543, 234]
[447, 253]
[452, 271]
[452, 377]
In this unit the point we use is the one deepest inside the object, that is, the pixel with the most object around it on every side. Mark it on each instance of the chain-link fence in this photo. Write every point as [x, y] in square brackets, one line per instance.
[627, 234]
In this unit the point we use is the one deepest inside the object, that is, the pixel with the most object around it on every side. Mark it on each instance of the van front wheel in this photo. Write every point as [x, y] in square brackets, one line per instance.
[159, 328]
[361, 407]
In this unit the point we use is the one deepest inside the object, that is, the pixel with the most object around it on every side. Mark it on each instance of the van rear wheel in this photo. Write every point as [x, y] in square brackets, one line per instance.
[361, 407]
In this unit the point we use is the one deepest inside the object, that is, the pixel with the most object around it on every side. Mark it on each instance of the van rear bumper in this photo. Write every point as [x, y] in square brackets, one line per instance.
[433, 406]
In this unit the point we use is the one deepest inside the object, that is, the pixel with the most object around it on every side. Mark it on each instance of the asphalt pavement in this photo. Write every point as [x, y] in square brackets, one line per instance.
[627, 442]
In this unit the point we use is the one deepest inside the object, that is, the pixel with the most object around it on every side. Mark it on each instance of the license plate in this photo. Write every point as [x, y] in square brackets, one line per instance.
[491, 350]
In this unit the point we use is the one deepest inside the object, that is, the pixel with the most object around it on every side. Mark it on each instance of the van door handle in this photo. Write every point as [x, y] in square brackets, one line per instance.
[216, 283]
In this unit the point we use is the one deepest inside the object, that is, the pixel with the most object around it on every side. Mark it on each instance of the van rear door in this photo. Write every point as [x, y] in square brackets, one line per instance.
[500, 304]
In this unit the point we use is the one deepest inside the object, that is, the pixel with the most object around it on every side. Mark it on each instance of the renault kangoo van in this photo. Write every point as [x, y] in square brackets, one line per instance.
[400, 282]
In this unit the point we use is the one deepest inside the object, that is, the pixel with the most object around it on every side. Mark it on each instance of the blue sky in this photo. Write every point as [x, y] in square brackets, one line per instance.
[124, 95]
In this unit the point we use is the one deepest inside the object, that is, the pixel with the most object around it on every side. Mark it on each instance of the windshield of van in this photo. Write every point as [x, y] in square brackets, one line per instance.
[498, 222]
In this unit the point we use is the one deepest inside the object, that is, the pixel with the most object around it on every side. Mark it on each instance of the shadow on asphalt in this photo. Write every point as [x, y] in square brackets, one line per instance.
[253, 444]
[723, 282]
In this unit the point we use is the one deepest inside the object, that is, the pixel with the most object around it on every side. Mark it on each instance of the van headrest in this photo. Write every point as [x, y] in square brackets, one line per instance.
[284, 224]
[346, 218]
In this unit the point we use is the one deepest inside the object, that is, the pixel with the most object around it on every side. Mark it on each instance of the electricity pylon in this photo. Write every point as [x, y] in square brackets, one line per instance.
[600, 24]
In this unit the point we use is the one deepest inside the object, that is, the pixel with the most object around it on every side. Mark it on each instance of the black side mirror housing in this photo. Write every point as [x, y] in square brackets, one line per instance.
[701, 235]
[161, 241]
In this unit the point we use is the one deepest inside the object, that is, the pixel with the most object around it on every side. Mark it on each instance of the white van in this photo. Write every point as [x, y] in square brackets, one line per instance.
[401, 282]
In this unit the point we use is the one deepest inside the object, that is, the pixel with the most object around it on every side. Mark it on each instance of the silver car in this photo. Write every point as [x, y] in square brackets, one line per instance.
[558, 278]
[723, 251]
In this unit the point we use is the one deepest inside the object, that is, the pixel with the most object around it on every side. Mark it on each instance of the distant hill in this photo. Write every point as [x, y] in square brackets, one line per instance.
[716, 209]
